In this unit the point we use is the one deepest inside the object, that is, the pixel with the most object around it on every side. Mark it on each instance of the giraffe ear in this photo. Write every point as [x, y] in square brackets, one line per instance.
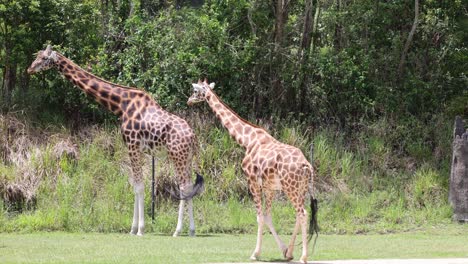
[212, 85]
[196, 87]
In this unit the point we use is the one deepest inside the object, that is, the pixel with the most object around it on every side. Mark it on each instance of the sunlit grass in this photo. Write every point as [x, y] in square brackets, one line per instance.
[445, 241]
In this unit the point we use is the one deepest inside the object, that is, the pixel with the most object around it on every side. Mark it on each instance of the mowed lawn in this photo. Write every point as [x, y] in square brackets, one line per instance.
[57, 247]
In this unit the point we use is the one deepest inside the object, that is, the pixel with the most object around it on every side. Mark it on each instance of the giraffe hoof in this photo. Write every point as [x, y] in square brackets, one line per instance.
[285, 254]
[176, 234]
[139, 234]
[192, 233]
[255, 255]
[303, 260]
[133, 230]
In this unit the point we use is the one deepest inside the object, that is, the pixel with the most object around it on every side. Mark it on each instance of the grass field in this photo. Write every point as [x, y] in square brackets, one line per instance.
[57, 247]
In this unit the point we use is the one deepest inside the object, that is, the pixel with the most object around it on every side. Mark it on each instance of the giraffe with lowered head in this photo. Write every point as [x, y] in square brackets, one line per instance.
[145, 127]
[269, 166]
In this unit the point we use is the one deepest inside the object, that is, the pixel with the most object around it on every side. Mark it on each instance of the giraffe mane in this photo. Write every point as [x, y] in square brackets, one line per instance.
[101, 79]
[235, 114]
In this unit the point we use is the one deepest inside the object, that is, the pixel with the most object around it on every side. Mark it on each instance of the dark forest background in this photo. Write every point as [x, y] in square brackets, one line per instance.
[337, 62]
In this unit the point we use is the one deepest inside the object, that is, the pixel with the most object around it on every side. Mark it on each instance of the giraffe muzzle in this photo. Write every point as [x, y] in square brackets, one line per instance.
[30, 71]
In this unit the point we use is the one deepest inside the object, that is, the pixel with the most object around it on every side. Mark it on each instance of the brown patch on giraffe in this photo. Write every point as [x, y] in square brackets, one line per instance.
[131, 110]
[104, 94]
[115, 98]
[80, 75]
[94, 86]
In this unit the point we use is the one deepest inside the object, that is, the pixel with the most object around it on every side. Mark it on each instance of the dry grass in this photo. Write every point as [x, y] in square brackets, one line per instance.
[30, 152]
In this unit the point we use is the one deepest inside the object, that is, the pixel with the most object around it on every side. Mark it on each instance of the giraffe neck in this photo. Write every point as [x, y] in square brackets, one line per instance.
[105, 93]
[245, 133]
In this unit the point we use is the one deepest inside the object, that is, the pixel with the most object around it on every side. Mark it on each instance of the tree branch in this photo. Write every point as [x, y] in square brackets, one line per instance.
[401, 66]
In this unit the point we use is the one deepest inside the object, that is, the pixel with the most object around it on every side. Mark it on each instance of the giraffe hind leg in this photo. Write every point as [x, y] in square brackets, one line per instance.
[288, 254]
[190, 214]
[303, 223]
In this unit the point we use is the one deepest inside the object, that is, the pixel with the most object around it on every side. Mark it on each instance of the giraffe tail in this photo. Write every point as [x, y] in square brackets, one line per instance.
[198, 188]
[313, 225]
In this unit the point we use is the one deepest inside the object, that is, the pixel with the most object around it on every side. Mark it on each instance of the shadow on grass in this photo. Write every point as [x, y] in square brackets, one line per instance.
[277, 260]
[184, 235]
[281, 261]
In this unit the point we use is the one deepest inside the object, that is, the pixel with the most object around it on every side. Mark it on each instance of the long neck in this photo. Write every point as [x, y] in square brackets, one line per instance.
[105, 93]
[245, 133]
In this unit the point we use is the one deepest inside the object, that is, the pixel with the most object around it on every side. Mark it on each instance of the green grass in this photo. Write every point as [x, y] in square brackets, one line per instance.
[58, 247]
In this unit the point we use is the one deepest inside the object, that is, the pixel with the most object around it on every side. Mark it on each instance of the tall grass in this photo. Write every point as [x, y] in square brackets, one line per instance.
[364, 183]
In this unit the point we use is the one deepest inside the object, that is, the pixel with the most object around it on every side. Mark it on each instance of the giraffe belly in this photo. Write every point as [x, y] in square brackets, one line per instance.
[151, 147]
[274, 184]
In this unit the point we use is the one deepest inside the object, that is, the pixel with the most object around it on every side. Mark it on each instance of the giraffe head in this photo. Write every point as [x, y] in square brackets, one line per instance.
[45, 60]
[200, 91]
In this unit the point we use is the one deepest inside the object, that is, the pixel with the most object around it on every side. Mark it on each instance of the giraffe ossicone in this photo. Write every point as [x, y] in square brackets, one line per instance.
[269, 166]
[145, 127]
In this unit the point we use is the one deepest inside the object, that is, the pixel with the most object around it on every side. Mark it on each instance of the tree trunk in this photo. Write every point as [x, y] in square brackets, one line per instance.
[401, 66]
[281, 9]
[315, 25]
[458, 193]
[24, 84]
[304, 55]
[338, 27]
[251, 9]
[9, 83]
[9, 76]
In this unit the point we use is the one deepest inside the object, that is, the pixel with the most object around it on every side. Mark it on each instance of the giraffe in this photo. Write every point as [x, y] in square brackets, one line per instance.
[145, 128]
[269, 166]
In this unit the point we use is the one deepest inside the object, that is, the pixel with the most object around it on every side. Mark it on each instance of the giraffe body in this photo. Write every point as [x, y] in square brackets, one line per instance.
[269, 166]
[145, 128]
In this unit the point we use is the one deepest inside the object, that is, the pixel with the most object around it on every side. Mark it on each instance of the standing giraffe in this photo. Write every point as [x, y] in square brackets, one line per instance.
[145, 128]
[269, 166]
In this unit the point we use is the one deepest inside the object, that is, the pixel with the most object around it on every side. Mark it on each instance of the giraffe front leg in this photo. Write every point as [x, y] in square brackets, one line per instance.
[139, 190]
[192, 222]
[180, 219]
[258, 246]
[138, 223]
[134, 228]
[269, 222]
[257, 197]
